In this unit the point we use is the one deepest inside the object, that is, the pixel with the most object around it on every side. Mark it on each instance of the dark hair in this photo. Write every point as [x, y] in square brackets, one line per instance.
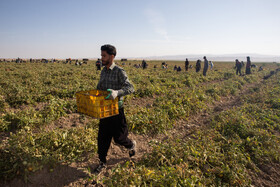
[111, 50]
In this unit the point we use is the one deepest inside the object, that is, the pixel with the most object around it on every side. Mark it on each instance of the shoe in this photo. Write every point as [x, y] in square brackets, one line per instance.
[132, 149]
[101, 166]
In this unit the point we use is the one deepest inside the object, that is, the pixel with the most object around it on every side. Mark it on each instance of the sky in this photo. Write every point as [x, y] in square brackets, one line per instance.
[143, 28]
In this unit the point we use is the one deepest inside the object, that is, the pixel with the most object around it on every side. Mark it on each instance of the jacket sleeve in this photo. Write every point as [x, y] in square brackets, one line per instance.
[126, 86]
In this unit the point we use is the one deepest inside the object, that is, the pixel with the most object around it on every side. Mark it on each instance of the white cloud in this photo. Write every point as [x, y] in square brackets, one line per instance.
[157, 21]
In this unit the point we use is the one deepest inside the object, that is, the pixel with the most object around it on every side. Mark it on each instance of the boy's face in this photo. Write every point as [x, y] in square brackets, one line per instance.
[106, 58]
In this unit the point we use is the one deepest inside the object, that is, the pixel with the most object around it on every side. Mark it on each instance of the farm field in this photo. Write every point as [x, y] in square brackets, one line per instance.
[191, 130]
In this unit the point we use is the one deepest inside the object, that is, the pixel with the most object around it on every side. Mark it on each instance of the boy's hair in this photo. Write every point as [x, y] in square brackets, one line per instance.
[111, 50]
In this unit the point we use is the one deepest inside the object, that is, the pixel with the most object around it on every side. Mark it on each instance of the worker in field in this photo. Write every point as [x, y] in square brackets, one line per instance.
[98, 64]
[163, 65]
[144, 64]
[198, 65]
[238, 67]
[187, 64]
[248, 66]
[179, 69]
[205, 68]
[113, 79]
[211, 65]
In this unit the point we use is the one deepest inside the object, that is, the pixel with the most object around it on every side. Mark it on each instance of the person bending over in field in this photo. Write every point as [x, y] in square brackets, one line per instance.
[113, 79]
[179, 69]
[144, 64]
[163, 65]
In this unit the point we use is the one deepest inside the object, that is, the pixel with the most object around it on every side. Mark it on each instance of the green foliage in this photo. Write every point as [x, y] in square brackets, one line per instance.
[27, 152]
[54, 109]
[238, 139]
[196, 161]
[33, 96]
[275, 103]
[228, 75]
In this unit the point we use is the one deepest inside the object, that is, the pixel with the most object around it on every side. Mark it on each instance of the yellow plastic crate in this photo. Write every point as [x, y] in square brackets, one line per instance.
[94, 104]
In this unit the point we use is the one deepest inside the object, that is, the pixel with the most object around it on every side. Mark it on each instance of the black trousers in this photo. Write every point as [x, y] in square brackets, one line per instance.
[204, 71]
[238, 70]
[112, 127]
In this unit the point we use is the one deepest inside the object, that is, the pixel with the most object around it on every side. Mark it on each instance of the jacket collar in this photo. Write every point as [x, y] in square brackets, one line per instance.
[112, 66]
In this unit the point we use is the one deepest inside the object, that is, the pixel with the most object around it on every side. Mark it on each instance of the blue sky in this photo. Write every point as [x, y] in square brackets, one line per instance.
[77, 28]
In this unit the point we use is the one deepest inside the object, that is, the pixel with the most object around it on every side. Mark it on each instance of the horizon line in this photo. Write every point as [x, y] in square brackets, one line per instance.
[225, 55]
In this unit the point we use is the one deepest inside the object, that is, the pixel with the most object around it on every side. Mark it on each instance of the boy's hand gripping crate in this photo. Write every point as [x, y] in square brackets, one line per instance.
[94, 104]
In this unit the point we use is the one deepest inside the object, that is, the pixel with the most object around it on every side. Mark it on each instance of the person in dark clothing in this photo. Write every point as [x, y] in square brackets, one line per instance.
[113, 79]
[248, 66]
[187, 64]
[163, 65]
[175, 68]
[98, 64]
[206, 64]
[198, 65]
[238, 67]
[179, 69]
[144, 64]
